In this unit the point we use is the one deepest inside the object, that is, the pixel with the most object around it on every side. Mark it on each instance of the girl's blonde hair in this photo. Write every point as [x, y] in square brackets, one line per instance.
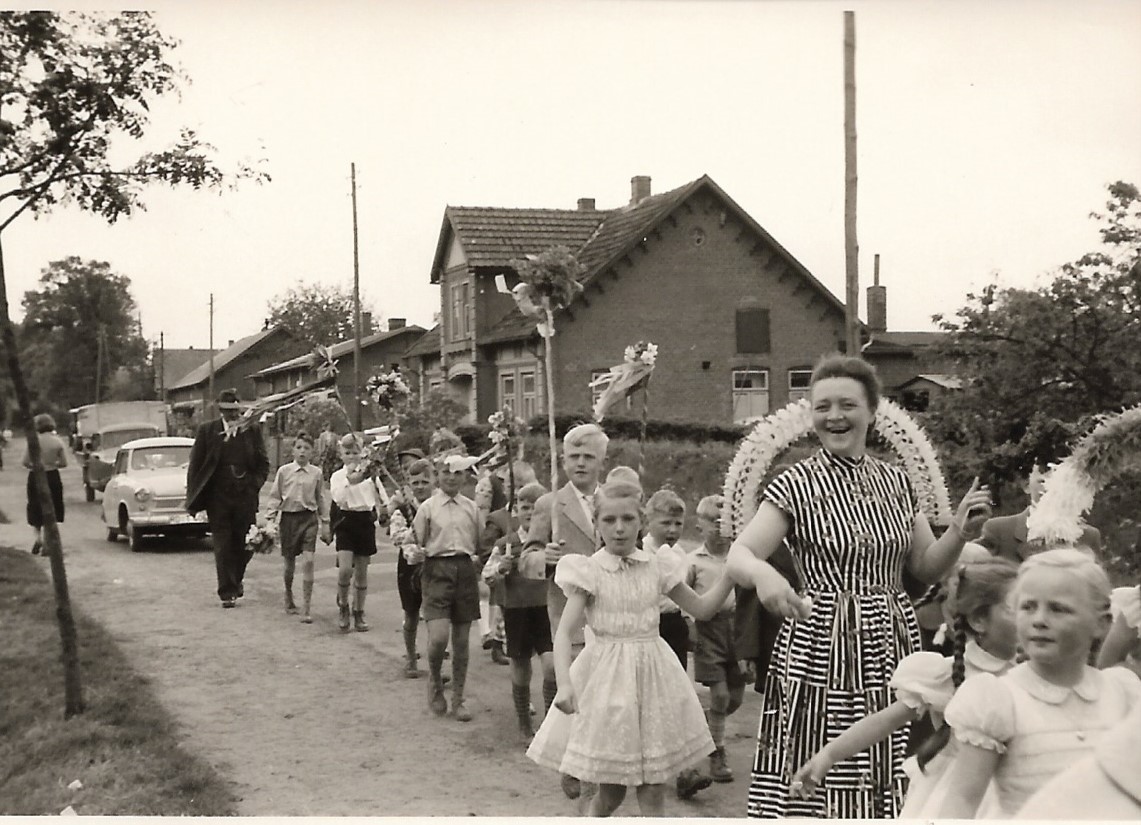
[1080, 564]
[616, 491]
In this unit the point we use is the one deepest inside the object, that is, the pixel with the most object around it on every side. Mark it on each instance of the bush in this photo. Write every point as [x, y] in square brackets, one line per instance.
[656, 430]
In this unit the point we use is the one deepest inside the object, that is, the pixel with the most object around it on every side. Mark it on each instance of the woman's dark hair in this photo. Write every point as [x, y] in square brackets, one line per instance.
[498, 493]
[976, 588]
[44, 423]
[836, 365]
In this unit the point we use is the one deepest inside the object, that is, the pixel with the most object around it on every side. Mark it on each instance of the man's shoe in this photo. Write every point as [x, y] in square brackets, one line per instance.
[345, 618]
[690, 782]
[241, 591]
[571, 786]
[719, 771]
[411, 671]
[359, 624]
[487, 642]
[229, 603]
[37, 547]
[460, 711]
[306, 618]
[290, 605]
[436, 701]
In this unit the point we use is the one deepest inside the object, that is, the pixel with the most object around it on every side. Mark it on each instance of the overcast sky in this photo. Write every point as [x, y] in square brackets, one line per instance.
[987, 134]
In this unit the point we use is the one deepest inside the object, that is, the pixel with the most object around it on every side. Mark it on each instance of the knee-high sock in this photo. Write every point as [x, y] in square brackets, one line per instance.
[550, 688]
[716, 719]
[521, 695]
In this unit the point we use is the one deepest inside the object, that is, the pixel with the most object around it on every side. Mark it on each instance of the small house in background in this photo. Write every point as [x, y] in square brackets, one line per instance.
[380, 352]
[189, 397]
[917, 393]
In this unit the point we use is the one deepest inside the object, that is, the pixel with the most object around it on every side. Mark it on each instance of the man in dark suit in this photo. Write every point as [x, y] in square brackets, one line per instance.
[228, 466]
[1005, 536]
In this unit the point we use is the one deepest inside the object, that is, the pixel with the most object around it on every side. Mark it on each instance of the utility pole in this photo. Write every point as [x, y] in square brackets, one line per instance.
[851, 247]
[356, 311]
[98, 364]
[211, 396]
[161, 367]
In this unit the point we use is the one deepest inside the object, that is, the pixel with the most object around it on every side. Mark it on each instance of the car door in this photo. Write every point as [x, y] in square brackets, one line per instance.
[112, 495]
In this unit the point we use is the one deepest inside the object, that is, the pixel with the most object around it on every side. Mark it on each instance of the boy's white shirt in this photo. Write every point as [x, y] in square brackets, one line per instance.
[665, 604]
[346, 494]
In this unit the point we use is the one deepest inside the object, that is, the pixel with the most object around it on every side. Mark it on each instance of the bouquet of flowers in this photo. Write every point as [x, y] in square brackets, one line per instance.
[552, 275]
[624, 379]
[261, 538]
[505, 427]
[388, 390]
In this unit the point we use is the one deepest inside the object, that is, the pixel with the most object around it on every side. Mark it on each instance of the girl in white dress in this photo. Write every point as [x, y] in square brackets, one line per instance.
[984, 642]
[626, 713]
[1025, 727]
[1122, 645]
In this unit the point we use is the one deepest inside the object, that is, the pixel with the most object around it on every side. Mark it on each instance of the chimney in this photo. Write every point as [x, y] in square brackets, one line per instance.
[877, 302]
[396, 323]
[231, 343]
[639, 188]
[366, 324]
[586, 204]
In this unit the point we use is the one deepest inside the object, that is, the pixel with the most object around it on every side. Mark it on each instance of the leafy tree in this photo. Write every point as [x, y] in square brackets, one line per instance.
[75, 89]
[315, 313]
[81, 320]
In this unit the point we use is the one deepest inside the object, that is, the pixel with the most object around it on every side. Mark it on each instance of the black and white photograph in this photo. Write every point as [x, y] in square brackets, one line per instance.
[581, 408]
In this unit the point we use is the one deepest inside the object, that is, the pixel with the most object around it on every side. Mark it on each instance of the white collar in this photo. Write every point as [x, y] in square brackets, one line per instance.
[982, 661]
[1088, 689]
[613, 563]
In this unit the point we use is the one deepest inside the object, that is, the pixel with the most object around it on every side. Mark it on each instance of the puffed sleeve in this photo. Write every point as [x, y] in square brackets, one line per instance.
[1126, 602]
[922, 681]
[576, 573]
[673, 567]
[1127, 681]
[982, 712]
[780, 491]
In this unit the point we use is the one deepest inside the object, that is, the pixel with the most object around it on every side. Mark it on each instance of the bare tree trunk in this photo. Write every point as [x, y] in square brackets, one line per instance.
[72, 683]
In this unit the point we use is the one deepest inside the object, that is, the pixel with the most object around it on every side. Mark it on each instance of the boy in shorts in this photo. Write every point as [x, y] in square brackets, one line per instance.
[410, 556]
[447, 527]
[715, 662]
[525, 616]
[354, 516]
[298, 497]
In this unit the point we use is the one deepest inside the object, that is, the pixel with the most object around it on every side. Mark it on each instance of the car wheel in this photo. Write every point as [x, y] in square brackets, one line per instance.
[112, 534]
[134, 537]
[88, 492]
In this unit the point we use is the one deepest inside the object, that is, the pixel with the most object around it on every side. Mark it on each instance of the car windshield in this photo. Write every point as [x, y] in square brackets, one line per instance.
[117, 438]
[159, 458]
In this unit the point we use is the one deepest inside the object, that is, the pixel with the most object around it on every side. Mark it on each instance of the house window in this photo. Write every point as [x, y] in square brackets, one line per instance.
[507, 391]
[752, 328]
[799, 384]
[528, 395]
[458, 321]
[750, 394]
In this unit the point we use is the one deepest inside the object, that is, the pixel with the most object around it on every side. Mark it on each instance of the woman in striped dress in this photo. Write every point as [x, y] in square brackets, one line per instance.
[853, 525]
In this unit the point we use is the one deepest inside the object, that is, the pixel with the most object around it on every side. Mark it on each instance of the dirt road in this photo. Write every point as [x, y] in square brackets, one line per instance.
[303, 719]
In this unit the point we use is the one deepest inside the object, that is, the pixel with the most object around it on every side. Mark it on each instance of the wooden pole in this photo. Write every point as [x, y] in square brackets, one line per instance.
[550, 376]
[356, 311]
[851, 247]
[161, 367]
[211, 396]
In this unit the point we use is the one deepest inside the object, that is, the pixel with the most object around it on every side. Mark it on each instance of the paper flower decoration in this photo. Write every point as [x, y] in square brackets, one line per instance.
[388, 390]
[625, 378]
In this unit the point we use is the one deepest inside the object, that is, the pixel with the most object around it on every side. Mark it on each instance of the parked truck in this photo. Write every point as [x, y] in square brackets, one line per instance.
[99, 431]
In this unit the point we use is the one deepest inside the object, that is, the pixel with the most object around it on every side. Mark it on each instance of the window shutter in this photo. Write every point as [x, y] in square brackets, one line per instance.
[753, 330]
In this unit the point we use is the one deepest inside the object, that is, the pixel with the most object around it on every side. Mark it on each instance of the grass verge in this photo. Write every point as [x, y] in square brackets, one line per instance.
[123, 748]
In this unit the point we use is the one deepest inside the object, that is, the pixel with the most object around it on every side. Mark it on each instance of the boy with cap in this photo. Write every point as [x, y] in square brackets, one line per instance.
[447, 527]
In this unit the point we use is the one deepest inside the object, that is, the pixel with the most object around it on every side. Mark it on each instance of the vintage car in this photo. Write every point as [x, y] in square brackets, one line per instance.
[146, 494]
[101, 450]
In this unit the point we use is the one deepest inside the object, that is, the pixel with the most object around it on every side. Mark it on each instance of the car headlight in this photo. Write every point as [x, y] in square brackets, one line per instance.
[142, 494]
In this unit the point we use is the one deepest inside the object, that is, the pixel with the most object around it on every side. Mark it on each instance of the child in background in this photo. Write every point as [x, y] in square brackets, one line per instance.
[353, 517]
[298, 497]
[410, 556]
[447, 527]
[625, 713]
[982, 631]
[1025, 727]
[495, 523]
[524, 613]
[715, 657]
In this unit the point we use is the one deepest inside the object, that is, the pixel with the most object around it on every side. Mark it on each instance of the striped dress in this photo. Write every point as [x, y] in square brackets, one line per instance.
[850, 535]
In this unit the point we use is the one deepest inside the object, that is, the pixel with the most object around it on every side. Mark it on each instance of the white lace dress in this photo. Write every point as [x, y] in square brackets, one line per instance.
[639, 721]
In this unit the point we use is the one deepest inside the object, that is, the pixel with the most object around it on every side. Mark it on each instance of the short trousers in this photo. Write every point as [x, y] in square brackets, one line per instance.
[355, 530]
[528, 631]
[714, 655]
[673, 628]
[450, 589]
[297, 533]
[408, 584]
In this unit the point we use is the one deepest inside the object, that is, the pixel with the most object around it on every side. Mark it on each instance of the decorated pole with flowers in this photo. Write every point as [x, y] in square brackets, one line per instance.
[390, 392]
[504, 428]
[548, 283]
[622, 381]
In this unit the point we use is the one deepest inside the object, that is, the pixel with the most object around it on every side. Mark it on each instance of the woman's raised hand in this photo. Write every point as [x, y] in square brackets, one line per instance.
[973, 511]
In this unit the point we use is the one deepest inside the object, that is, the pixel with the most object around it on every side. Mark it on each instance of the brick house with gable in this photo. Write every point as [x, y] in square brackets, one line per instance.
[738, 321]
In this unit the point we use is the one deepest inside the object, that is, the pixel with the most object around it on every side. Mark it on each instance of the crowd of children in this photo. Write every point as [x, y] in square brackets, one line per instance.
[591, 580]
